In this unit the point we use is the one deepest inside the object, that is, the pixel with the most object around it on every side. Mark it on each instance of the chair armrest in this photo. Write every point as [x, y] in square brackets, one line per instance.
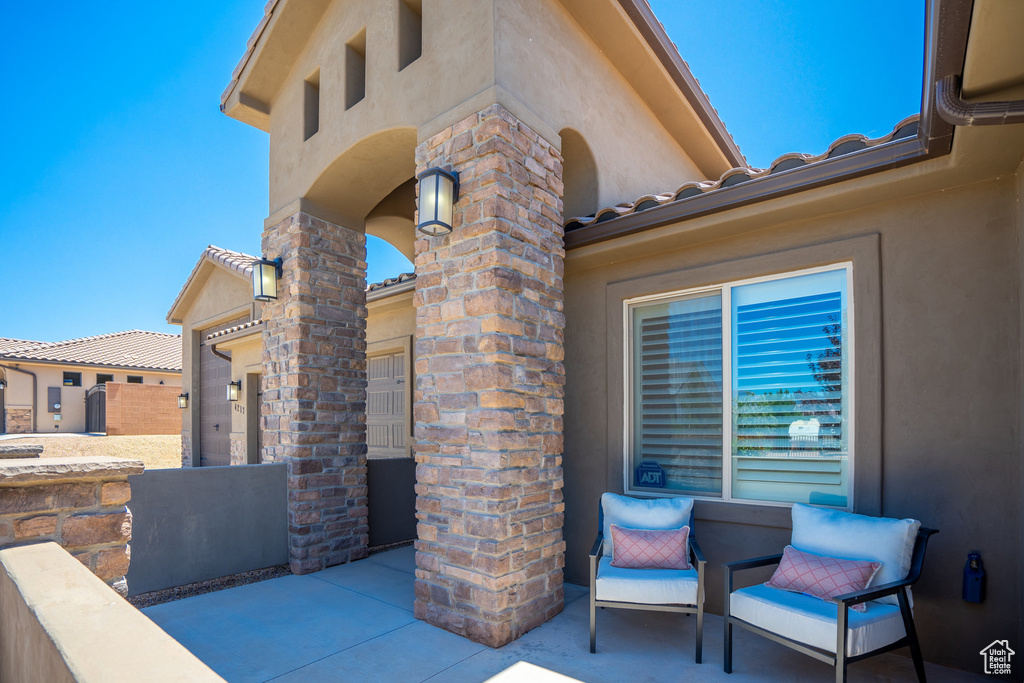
[740, 565]
[874, 593]
[598, 548]
[695, 553]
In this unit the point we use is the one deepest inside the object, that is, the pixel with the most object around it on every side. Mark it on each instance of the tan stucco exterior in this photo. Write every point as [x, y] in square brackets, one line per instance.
[532, 57]
[18, 394]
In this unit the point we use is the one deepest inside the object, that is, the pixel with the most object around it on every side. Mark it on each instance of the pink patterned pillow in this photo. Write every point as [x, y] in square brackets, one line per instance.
[645, 549]
[822, 577]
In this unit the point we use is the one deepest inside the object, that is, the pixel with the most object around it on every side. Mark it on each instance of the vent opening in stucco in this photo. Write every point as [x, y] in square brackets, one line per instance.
[410, 32]
[355, 69]
[579, 175]
[311, 105]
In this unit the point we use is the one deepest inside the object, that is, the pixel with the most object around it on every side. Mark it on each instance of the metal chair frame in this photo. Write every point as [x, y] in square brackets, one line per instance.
[696, 559]
[840, 660]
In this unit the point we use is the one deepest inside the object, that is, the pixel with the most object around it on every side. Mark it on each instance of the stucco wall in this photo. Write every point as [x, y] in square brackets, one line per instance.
[18, 395]
[565, 77]
[946, 424]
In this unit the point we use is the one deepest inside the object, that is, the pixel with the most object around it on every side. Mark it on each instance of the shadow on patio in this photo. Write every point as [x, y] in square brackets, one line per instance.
[354, 622]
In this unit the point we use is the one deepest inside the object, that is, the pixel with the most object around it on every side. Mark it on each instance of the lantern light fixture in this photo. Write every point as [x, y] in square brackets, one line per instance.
[439, 191]
[265, 274]
[183, 400]
[233, 389]
[3, 384]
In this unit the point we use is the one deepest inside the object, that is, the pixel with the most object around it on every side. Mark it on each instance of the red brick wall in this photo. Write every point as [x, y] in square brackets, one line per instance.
[142, 409]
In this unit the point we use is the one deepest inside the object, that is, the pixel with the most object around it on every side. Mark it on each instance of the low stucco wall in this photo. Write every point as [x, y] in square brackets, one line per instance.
[142, 409]
[60, 623]
[197, 524]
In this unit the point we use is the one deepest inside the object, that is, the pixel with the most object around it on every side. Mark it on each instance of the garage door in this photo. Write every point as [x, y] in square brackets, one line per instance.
[386, 406]
[214, 407]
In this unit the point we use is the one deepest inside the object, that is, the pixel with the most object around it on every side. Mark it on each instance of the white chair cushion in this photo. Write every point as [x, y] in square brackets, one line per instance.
[646, 586]
[636, 513]
[813, 621]
[847, 536]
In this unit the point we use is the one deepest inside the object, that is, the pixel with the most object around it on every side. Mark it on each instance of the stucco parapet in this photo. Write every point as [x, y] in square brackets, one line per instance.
[28, 470]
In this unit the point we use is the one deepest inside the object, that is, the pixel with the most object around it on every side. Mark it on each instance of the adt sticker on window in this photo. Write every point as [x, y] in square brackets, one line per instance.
[649, 474]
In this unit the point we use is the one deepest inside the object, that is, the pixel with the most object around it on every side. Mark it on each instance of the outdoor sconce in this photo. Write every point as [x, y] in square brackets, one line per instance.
[264, 279]
[233, 389]
[439, 190]
[3, 384]
[183, 400]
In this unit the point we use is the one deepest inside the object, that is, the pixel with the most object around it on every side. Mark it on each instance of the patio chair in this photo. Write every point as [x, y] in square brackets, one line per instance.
[656, 589]
[827, 629]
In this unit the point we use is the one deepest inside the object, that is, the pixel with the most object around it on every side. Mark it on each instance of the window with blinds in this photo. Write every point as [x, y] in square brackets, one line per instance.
[785, 391]
[678, 392]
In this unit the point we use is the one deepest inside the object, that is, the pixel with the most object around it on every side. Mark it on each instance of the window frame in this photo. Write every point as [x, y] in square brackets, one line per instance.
[724, 290]
[104, 374]
[76, 379]
[131, 379]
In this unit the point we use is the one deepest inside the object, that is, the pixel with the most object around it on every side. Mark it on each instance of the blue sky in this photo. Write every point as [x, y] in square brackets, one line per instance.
[118, 167]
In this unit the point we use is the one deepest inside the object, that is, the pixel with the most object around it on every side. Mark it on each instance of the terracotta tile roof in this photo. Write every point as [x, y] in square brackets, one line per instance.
[232, 260]
[735, 176]
[404, 277]
[237, 328]
[129, 349]
[7, 344]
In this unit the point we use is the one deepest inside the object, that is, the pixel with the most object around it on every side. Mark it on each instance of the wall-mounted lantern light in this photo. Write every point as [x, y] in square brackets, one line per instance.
[183, 400]
[264, 279]
[439, 190]
[233, 389]
[3, 384]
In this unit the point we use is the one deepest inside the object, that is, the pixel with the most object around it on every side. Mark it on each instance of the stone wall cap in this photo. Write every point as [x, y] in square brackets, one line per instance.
[79, 467]
[20, 451]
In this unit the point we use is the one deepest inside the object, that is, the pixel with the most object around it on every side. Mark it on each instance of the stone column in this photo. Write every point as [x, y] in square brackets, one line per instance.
[314, 387]
[489, 385]
[78, 502]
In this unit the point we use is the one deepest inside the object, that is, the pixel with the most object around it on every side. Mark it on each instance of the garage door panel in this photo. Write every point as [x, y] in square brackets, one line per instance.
[385, 406]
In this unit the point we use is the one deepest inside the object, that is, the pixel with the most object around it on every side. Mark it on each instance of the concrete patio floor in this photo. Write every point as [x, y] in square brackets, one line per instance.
[354, 623]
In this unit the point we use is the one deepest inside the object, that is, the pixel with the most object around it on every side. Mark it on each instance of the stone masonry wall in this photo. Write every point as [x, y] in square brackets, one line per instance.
[186, 449]
[238, 448]
[142, 409]
[489, 385]
[79, 503]
[314, 388]
[18, 420]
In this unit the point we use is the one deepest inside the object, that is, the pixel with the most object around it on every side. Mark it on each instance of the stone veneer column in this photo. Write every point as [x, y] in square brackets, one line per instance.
[78, 502]
[314, 387]
[489, 385]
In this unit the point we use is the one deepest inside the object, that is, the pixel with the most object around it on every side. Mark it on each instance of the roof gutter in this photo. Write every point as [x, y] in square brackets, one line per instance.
[35, 394]
[948, 24]
[954, 110]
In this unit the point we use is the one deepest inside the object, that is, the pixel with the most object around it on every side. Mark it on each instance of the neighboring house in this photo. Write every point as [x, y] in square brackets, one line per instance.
[45, 383]
[223, 330]
[550, 331]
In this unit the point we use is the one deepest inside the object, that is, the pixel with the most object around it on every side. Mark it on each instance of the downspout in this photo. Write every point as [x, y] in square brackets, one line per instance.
[214, 351]
[35, 394]
[959, 113]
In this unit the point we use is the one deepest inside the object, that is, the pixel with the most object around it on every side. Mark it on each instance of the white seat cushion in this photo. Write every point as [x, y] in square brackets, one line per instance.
[639, 513]
[813, 621]
[646, 586]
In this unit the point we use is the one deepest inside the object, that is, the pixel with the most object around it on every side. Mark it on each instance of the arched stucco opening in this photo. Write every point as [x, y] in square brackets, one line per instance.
[392, 219]
[363, 176]
[579, 175]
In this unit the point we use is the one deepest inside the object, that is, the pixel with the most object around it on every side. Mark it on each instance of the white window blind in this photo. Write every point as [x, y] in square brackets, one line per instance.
[678, 392]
